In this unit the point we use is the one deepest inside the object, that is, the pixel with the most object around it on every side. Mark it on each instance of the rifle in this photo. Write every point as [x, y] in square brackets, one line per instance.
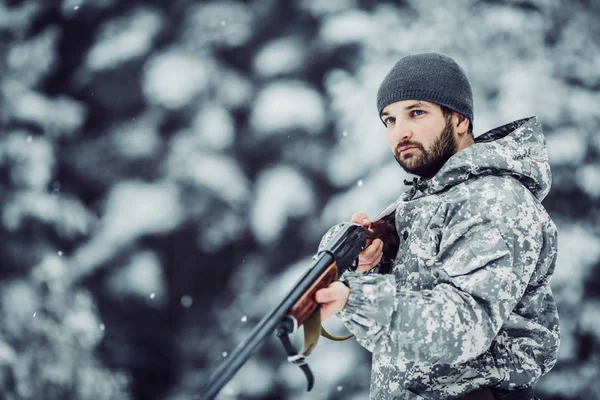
[299, 306]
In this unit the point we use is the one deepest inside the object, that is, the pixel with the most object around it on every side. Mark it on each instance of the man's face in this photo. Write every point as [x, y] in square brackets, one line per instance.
[421, 138]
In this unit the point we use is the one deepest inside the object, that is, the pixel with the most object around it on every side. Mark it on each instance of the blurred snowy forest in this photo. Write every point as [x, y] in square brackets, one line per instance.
[168, 168]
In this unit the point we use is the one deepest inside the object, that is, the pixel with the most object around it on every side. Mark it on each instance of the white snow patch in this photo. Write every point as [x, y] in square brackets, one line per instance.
[379, 190]
[141, 276]
[61, 115]
[226, 229]
[138, 138]
[215, 127]
[256, 377]
[174, 78]
[281, 192]
[19, 300]
[366, 147]
[218, 23]
[566, 147]
[124, 38]
[187, 301]
[237, 93]
[135, 208]
[590, 317]
[588, 178]
[348, 27]
[32, 162]
[579, 251]
[218, 173]
[279, 56]
[287, 105]
[319, 7]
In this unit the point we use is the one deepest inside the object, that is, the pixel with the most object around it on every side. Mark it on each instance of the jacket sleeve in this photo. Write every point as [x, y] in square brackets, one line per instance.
[483, 265]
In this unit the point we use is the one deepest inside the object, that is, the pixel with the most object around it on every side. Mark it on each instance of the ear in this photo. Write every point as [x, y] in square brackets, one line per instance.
[462, 124]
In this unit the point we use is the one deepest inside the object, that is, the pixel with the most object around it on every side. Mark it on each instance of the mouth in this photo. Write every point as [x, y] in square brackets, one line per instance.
[405, 148]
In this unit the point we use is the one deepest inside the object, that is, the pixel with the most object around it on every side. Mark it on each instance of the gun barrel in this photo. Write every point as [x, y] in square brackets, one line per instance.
[264, 328]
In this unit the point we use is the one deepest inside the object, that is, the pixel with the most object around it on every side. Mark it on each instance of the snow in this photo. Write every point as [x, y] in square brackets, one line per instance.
[588, 179]
[141, 275]
[33, 161]
[566, 147]
[280, 56]
[34, 59]
[366, 145]
[187, 301]
[387, 182]
[320, 8]
[136, 208]
[83, 322]
[219, 232]
[59, 116]
[255, 377]
[204, 26]
[124, 38]
[352, 26]
[218, 173]
[237, 92]
[579, 251]
[174, 78]
[214, 126]
[287, 105]
[19, 300]
[65, 212]
[590, 317]
[138, 138]
[281, 192]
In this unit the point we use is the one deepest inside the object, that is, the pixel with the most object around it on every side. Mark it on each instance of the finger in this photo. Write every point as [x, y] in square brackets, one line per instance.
[373, 250]
[327, 310]
[361, 218]
[368, 266]
[324, 295]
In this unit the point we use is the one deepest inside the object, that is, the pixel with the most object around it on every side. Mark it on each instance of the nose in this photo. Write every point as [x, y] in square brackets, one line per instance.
[401, 133]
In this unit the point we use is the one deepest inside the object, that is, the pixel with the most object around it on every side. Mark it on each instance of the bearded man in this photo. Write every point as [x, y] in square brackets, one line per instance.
[467, 311]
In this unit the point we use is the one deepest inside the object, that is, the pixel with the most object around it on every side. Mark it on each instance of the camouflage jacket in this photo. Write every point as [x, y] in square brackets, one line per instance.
[468, 303]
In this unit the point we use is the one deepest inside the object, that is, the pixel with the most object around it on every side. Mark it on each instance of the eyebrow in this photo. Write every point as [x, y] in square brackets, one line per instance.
[407, 108]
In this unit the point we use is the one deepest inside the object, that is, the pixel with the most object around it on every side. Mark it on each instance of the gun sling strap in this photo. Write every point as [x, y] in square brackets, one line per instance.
[312, 330]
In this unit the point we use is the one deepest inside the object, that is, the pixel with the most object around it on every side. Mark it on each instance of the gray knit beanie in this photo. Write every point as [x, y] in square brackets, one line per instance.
[431, 77]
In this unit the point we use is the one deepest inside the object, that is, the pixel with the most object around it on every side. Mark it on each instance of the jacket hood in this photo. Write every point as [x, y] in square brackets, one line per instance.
[517, 149]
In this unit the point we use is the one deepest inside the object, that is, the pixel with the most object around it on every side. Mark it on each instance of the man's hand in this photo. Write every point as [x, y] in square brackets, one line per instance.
[332, 299]
[371, 255]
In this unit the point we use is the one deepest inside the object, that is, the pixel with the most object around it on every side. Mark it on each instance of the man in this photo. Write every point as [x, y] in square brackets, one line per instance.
[467, 311]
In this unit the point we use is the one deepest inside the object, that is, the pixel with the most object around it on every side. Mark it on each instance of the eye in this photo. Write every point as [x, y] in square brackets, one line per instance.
[389, 120]
[413, 113]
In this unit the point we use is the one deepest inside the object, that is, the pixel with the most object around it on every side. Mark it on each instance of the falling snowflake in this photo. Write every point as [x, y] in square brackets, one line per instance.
[187, 301]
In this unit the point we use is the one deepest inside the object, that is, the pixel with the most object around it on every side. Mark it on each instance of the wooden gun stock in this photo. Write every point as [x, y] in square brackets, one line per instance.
[307, 304]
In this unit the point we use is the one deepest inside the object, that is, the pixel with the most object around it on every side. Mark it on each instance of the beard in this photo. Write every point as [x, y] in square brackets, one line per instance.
[426, 163]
